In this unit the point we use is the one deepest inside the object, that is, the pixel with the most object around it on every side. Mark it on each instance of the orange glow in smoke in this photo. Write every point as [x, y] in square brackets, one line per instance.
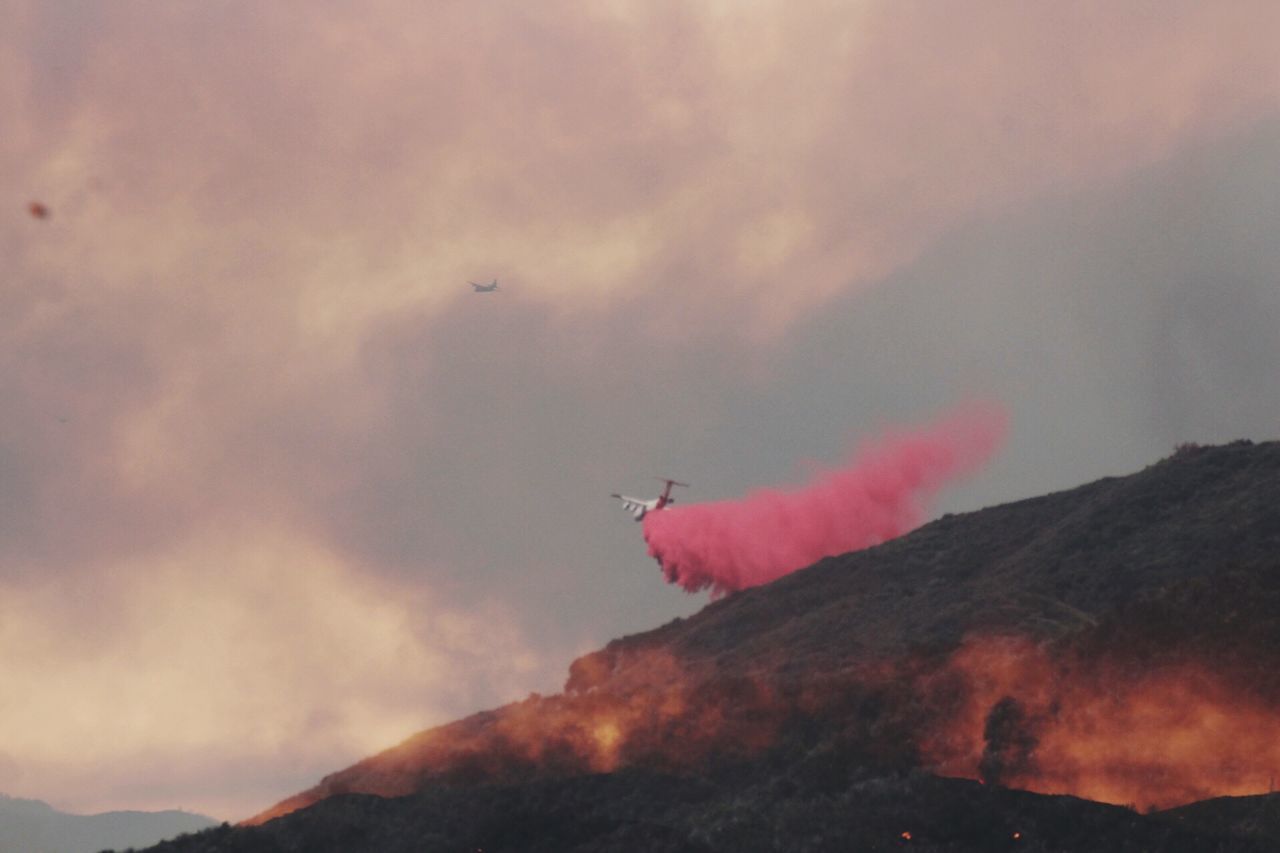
[1000, 710]
[662, 718]
[1119, 734]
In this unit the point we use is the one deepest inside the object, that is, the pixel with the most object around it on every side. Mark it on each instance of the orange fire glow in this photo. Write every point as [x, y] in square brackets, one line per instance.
[1002, 710]
[1151, 738]
[664, 719]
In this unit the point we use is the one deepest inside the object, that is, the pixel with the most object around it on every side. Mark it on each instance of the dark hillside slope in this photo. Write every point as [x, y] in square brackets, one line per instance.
[1119, 642]
[1044, 567]
[634, 812]
[1256, 817]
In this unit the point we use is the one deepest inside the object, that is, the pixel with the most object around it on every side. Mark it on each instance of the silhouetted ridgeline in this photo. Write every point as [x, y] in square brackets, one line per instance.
[30, 826]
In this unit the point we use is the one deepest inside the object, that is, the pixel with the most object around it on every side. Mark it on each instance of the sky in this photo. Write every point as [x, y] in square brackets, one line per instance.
[277, 490]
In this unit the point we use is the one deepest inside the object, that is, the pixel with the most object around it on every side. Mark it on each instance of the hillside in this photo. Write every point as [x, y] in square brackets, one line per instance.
[1116, 642]
[752, 810]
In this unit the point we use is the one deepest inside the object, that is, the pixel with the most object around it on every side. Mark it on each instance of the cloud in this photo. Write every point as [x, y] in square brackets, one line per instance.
[234, 670]
[363, 159]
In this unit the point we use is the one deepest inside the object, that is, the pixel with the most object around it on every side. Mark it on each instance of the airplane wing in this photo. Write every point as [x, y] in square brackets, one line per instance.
[635, 506]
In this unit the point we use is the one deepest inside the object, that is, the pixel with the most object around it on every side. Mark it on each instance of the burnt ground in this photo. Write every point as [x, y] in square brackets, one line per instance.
[1180, 561]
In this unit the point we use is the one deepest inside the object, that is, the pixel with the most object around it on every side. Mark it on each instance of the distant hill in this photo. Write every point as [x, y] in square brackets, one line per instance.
[30, 826]
[1118, 642]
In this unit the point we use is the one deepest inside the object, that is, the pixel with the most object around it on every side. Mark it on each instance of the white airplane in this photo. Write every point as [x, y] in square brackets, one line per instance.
[484, 288]
[638, 507]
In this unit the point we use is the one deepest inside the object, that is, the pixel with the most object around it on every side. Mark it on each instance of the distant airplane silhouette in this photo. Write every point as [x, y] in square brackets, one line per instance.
[484, 288]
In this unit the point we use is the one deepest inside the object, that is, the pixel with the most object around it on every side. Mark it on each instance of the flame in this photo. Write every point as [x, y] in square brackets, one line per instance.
[1001, 710]
[607, 734]
[656, 715]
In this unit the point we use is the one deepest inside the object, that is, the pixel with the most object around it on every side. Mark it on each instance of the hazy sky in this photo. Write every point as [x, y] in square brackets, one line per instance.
[277, 490]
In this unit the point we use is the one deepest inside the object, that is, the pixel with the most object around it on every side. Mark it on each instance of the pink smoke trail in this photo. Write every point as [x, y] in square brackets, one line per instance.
[880, 494]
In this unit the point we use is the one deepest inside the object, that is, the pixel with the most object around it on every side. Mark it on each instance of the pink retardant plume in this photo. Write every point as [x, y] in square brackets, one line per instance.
[882, 493]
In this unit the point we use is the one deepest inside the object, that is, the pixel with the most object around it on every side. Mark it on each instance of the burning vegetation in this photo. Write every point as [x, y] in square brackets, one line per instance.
[1118, 643]
[666, 721]
[1005, 711]
[1110, 730]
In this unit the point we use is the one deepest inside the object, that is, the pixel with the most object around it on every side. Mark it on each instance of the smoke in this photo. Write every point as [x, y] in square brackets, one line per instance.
[1008, 710]
[1108, 726]
[1010, 742]
[882, 493]
[660, 715]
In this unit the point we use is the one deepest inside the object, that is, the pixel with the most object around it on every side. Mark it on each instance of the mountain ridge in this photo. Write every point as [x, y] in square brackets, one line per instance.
[34, 826]
[1008, 645]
